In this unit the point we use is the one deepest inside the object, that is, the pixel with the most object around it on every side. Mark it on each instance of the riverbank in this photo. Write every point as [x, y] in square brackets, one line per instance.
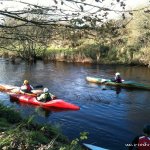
[18, 133]
[92, 54]
[97, 54]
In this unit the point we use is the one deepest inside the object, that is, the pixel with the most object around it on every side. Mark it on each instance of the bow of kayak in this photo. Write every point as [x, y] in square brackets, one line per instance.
[93, 147]
[59, 103]
[94, 80]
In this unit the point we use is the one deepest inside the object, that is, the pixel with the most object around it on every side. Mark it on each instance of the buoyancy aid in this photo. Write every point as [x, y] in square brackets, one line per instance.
[118, 79]
[26, 88]
[144, 143]
[47, 96]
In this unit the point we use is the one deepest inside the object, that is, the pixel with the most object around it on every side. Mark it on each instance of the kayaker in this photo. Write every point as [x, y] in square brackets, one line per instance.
[117, 78]
[142, 142]
[45, 96]
[26, 87]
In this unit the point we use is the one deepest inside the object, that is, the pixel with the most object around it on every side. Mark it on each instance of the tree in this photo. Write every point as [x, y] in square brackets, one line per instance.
[28, 27]
[25, 40]
[76, 12]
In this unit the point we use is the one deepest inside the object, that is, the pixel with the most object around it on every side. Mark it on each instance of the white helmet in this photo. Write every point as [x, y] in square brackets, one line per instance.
[45, 90]
[117, 74]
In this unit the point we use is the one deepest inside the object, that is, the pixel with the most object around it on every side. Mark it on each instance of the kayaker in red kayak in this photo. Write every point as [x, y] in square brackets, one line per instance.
[26, 87]
[45, 96]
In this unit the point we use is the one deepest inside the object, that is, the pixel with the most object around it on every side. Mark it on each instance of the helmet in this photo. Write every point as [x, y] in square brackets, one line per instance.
[26, 82]
[45, 90]
[117, 74]
[146, 129]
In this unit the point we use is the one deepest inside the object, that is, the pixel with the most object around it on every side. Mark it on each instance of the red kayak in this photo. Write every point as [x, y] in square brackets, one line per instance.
[57, 103]
[31, 99]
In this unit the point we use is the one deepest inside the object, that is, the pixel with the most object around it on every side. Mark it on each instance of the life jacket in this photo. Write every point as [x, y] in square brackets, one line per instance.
[47, 96]
[118, 79]
[28, 88]
[144, 143]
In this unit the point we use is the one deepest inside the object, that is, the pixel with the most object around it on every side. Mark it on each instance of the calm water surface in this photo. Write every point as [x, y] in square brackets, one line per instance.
[111, 119]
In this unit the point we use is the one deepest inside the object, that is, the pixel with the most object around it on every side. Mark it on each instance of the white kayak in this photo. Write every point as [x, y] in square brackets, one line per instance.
[93, 147]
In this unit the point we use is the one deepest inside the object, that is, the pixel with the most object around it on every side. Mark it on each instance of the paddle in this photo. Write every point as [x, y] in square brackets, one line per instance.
[7, 88]
[36, 94]
[38, 86]
[105, 80]
[30, 94]
[16, 89]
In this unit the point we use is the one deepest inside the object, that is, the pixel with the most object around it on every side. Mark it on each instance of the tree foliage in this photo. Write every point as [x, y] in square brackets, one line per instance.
[78, 12]
[26, 27]
[25, 40]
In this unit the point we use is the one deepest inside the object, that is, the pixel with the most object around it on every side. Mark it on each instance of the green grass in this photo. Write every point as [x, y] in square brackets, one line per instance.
[16, 133]
[9, 114]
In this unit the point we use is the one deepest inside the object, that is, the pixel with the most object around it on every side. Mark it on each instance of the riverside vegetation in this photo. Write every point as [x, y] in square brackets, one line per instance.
[115, 41]
[18, 133]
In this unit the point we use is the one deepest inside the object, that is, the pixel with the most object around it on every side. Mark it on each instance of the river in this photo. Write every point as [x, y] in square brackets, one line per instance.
[112, 118]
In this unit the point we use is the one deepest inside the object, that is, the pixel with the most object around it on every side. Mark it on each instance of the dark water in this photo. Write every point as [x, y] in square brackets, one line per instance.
[111, 119]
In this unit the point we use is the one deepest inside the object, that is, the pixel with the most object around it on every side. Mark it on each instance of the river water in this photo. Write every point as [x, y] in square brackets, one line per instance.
[113, 117]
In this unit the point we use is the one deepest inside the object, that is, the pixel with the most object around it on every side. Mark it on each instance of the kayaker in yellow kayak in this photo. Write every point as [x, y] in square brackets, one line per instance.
[26, 87]
[45, 96]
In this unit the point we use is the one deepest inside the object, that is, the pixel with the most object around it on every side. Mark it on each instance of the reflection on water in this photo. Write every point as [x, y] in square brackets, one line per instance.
[43, 112]
[112, 116]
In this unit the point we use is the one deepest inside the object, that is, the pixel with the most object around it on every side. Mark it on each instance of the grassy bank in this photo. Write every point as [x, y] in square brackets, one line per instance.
[100, 54]
[92, 52]
[17, 133]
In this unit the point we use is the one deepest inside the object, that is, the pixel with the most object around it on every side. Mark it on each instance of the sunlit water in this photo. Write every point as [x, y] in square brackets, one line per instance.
[111, 119]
